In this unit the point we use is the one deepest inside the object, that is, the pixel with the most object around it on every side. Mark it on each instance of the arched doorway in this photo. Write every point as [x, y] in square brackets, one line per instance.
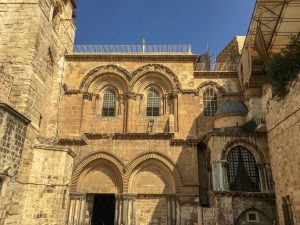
[96, 185]
[153, 184]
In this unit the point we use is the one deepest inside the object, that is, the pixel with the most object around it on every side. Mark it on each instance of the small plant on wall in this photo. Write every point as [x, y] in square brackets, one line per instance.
[284, 67]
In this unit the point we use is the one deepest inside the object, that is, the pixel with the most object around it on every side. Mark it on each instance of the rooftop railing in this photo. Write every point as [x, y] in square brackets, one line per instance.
[182, 49]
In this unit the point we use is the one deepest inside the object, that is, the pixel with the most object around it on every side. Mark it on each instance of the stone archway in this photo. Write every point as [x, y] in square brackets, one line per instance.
[96, 184]
[152, 180]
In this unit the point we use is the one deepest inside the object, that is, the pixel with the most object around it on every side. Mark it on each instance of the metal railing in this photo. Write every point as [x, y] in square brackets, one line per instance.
[187, 49]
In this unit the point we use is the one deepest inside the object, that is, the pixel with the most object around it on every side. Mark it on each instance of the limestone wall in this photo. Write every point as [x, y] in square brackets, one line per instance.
[32, 48]
[13, 128]
[283, 136]
[46, 193]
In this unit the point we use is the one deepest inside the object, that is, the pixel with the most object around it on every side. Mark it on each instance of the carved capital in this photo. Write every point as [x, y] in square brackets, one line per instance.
[77, 196]
[130, 95]
[87, 96]
[128, 197]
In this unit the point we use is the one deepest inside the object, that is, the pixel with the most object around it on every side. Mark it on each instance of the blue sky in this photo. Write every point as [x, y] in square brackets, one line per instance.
[195, 22]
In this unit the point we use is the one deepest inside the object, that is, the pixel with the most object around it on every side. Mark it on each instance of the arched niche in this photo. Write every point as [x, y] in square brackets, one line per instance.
[98, 173]
[156, 167]
[151, 178]
[100, 178]
[154, 73]
[101, 76]
[152, 79]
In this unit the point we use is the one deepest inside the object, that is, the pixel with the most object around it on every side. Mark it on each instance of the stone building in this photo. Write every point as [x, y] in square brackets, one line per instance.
[132, 135]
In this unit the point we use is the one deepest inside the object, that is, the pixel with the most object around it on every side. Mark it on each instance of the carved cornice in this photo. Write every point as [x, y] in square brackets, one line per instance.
[265, 195]
[69, 91]
[217, 74]
[142, 136]
[72, 141]
[98, 135]
[55, 148]
[190, 91]
[190, 142]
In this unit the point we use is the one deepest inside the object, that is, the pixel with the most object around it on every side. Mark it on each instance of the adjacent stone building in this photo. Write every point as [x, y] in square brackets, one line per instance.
[131, 135]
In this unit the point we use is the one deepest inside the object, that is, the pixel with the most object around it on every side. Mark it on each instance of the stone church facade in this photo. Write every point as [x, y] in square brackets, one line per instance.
[91, 138]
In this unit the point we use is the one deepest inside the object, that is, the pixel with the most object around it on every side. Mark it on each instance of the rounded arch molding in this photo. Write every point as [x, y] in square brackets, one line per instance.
[159, 160]
[95, 159]
[101, 70]
[212, 84]
[259, 209]
[255, 151]
[156, 68]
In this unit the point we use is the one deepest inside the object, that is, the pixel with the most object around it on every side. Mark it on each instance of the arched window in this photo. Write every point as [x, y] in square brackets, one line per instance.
[109, 103]
[153, 102]
[210, 100]
[242, 171]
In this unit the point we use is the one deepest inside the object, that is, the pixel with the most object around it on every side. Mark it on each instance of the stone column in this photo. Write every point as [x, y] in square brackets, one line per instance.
[71, 212]
[174, 99]
[120, 209]
[125, 210]
[130, 98]
[133, 214]
[178, 212]
[77, 209]
[262, 176]
[116, 209]
[173, 210]
[169, 211]
[165, 98]
[219, 177]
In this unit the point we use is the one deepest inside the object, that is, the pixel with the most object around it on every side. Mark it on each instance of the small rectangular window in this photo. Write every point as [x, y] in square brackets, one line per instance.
[252, 217]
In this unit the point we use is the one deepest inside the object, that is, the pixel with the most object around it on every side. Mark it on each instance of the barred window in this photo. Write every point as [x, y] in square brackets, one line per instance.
[153, 102]
[210, 100]
[242, 171]
[109, 103]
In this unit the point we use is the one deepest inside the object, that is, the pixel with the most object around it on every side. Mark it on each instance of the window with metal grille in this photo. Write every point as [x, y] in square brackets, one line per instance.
[210, 100]
[109, 103]
[153, 103]
[242, 171]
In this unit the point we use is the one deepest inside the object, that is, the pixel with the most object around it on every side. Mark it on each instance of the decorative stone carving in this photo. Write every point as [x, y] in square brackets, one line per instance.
[104, 69]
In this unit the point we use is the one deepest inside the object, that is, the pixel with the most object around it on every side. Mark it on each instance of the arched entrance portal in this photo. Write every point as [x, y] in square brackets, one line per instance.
[96, 183]
[152, 183]
[103, 192]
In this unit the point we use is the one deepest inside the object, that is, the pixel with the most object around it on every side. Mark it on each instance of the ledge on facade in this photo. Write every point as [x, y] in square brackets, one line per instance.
[177, 142]
[15, 113]
[232, 131]
[216, 74]
[78, 140]
[55, 148]
[142, 135]
[132, 56]
[269, 194]
[128, 135]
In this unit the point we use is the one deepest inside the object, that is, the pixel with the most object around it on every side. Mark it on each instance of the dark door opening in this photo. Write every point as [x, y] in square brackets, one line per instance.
[103, 210]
